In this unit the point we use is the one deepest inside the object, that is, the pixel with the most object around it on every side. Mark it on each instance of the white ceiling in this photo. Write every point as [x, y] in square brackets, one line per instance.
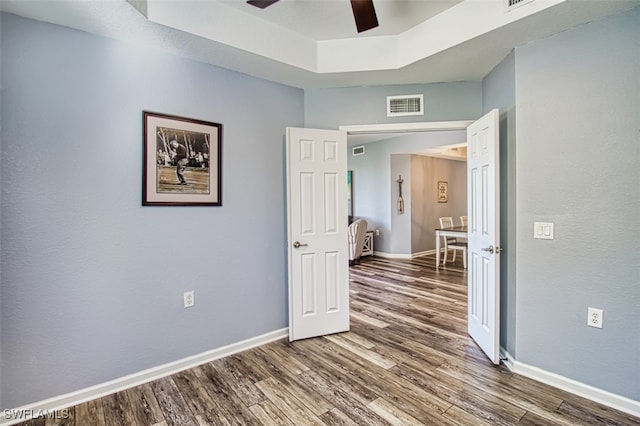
[314, 44]
[333, 19]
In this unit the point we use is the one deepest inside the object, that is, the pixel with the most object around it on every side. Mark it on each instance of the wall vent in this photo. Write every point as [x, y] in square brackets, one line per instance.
[512, 4]
[357, 150]
[405, 105]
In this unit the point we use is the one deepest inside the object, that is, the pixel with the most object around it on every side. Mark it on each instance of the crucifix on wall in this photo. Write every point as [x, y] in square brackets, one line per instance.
[400, 199]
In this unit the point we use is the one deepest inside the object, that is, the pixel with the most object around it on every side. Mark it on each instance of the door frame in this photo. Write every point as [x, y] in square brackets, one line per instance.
[403, 128]
[428, 126]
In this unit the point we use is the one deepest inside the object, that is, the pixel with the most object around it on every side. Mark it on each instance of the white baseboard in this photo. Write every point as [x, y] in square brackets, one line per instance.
[609, 399]
[8, 416]
[423, 253]
[506, 358]
[403, 255]
[391, 255]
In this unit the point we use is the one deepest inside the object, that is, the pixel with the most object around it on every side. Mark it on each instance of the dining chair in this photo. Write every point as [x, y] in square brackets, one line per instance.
[463, 222]
[452, 243]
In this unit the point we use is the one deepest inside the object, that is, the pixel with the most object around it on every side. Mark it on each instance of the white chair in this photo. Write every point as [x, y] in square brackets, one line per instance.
[357, 233]
[452, 243]
[463, 222]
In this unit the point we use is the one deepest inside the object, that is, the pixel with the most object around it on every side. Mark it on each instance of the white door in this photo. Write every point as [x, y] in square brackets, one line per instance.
[483, 203]
[317, 232]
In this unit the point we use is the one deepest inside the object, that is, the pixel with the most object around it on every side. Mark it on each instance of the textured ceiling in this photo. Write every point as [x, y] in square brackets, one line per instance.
[306, 43]
[333, 19]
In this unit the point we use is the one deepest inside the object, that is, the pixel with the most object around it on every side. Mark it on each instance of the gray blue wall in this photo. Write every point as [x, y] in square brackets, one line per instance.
[92, 282]
[331, 108]
[400, 229]
[578, 165]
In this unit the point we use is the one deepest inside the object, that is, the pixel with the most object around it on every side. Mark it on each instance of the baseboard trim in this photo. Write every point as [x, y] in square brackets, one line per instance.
[391, 255]
[403, 255]
[135, 379]
[423, 253]
[507, 359]
[609, 399]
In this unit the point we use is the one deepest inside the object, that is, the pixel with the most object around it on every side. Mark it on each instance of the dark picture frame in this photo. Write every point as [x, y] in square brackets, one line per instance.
[182, 161]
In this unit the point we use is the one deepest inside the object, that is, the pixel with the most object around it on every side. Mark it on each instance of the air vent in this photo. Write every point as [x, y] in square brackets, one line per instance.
[512, 4]
[358, 150]
[405, 105]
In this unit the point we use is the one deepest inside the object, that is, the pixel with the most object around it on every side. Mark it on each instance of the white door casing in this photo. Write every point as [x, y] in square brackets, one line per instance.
[317, 232]
[483, 204]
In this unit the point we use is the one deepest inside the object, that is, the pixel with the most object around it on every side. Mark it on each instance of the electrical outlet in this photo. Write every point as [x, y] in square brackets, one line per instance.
[594, 318]
[377, 232]
[189, 299]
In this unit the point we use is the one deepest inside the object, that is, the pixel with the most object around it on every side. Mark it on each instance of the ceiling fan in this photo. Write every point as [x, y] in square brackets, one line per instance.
[363, 12]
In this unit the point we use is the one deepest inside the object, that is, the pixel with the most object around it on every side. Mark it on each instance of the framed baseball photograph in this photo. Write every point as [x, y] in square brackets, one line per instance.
[182, 161]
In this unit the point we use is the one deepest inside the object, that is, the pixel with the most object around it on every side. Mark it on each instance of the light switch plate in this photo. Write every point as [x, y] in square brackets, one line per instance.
[543, 230]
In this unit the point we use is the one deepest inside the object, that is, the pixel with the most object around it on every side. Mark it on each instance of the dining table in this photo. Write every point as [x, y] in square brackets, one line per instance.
[454, 231]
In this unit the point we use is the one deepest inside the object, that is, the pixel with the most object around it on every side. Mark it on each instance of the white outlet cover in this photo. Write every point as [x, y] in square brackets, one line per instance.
[595, 317]
[189, 299]
[543, 230]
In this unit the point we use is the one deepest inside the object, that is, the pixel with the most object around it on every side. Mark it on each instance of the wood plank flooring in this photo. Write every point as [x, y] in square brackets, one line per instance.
[406, 361]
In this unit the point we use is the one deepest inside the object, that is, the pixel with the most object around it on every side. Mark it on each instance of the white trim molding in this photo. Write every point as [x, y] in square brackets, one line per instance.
[403, 255]
[423, 126]
[423, 253]
[592, 393]
[391, 255]
[48, 406]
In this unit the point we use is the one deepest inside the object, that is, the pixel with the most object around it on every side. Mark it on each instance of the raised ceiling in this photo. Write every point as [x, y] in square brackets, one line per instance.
[333, 19]
[314, 44]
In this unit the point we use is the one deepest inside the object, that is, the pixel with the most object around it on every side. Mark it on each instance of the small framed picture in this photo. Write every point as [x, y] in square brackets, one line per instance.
[182, 161]
[443, 189]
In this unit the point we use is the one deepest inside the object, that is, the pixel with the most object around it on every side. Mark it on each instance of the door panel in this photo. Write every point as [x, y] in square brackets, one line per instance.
[483, 204]
[317, 232]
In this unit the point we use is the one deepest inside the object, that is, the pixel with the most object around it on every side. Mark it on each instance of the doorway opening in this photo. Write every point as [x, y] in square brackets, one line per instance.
[414, 153]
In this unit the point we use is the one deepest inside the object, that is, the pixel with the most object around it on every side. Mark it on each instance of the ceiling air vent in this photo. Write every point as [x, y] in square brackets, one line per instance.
[512, 4]
[405, 105]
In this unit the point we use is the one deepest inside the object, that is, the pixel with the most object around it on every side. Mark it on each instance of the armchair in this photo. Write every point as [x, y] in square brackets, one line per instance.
[357, 232]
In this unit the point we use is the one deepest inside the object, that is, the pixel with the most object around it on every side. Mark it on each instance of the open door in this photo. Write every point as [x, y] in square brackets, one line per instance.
[483, 204]
[317, 232]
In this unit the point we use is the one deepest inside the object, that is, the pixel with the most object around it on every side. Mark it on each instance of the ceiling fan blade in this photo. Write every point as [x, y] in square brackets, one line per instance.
[261, 3]
[364, 14]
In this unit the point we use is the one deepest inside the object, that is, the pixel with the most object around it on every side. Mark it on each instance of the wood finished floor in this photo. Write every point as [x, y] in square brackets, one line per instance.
[406, 361]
